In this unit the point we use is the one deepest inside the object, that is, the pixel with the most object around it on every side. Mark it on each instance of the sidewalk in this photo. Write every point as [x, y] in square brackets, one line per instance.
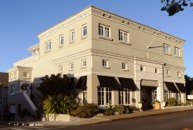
[101, 118]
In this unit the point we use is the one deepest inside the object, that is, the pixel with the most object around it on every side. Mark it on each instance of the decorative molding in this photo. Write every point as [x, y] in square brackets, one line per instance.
[74, 18]
[133, 24]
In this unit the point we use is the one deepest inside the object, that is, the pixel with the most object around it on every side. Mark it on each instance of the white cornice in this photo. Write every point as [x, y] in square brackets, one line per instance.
[133, 24]
[108, 15]
[74, 18]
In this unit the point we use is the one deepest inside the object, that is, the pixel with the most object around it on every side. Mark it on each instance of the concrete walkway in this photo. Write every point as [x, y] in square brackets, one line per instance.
[101, 118]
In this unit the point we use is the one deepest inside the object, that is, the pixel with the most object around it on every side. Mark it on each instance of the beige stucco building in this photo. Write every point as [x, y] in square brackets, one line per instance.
[117, 61]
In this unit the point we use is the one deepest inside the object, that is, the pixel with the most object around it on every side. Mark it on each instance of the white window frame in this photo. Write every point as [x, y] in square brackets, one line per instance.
[84, 31]
[60, 69]
[71, 66]
[61, 40]
[25, 74]
[168, 72]
[83, 63]
[48, 46]
[104, 31]
[72, 36]
[105, 63]
[178, 74]
[15, 75]
[123, 36]
[177, 51]
[166, 48]
[104, 96]
[124, 97]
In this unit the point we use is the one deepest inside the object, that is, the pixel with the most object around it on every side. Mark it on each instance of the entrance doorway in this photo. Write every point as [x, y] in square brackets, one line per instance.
[148, 95]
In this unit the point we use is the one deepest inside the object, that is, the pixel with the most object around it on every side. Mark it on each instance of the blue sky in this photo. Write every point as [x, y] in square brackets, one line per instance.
[22, 20]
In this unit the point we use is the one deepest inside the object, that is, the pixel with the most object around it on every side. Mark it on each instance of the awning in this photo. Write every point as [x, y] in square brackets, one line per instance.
[149, 83]
[109, 82]
[171, 87]
[181, 87]
[82, 83]
[127, 83]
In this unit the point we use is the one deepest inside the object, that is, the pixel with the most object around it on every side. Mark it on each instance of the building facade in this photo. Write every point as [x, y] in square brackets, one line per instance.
[113, 59]
[3, 93]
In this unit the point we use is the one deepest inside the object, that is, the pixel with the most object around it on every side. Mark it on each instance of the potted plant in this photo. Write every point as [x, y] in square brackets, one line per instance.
[156, 104]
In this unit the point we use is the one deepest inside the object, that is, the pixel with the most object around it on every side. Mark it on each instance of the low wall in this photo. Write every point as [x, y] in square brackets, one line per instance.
[58, 117]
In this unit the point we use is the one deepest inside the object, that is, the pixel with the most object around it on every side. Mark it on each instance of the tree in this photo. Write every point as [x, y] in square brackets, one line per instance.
[189, 84]
[58, 96]
[175, 6]
[54, 85]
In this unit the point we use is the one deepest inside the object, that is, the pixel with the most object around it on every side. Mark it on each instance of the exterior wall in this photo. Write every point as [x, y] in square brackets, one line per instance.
[145, 48]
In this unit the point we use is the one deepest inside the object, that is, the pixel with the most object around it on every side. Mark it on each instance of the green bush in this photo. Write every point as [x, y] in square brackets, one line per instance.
[171, 102]
[134, 108]
[59, 104]
[85, 111]
[109, 111]
[120, 109]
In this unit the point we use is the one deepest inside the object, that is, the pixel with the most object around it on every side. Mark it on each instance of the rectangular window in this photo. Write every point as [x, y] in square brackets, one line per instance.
[167, 72]
[123, 36]
[104, 30]
[25, 75]
[12, 89]
[48, 46]
[166, 48]
[178, 74]
[124, 66]
[105, 63]
[104, 96]
[83, 63]
[124, 96]
[61, 40]
[84, 31]
[72, 36]
[176, 51]
[60, 69]
[15, 75]
[71, 66]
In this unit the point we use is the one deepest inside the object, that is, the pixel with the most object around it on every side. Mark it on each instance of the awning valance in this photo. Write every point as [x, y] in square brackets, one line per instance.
[149, 83]
[109, 82]
[82, 83]
[127, 83]
[171, 87]
[181, 87]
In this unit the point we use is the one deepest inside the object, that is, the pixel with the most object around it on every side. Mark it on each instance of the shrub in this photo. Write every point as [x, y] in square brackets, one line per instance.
[120, 109]
[109, 111]
[134, 108]
[85, 111]
[60, 104]
[24, 113]
[171, 102]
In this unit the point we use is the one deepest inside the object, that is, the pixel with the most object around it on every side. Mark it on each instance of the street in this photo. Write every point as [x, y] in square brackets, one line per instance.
[175, 121]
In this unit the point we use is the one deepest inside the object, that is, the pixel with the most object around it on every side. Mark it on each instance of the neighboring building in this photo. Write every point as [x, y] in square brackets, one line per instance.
[3, 92]
[115, 61]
